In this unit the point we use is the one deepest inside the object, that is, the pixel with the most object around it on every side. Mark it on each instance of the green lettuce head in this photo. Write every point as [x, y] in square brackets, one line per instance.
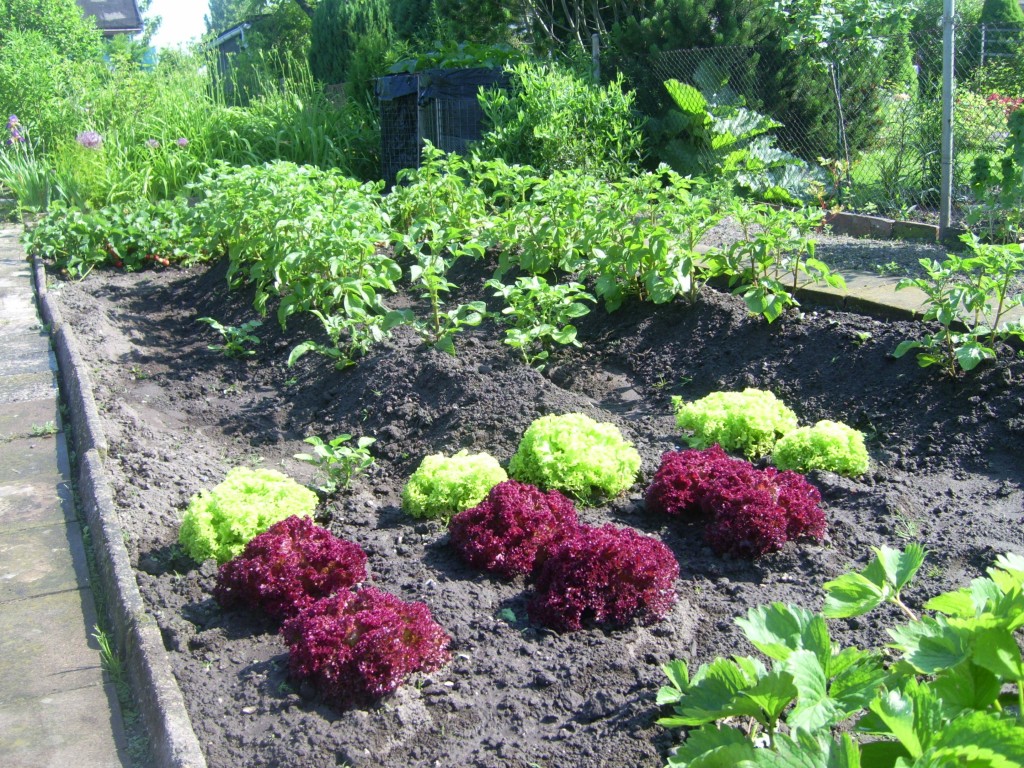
[576, 455]
[828, 445]
[443, 485]
[748, 422]
[219, 523]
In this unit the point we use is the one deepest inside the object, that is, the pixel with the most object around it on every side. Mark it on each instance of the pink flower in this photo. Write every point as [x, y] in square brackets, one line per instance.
[152, 143]
[89, 139]
[182, 142]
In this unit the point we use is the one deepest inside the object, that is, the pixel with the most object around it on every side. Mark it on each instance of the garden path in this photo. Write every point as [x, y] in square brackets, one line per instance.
[57, 707]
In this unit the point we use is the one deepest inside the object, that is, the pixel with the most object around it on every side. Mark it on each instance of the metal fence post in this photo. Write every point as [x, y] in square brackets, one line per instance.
[595, 56]
[946, 191]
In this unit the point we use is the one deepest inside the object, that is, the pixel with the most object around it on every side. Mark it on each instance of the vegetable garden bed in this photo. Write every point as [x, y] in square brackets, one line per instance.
[945, 471]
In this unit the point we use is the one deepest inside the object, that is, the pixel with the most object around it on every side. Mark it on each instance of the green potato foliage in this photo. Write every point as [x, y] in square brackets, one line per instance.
[829, 445]
[443, 485]
[220, 522]
[577, 455]
[748, 422]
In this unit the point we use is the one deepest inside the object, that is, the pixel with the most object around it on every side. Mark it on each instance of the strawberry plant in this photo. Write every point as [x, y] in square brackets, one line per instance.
[943, 703]
[443, 485]
[358, 646]
[515, 525]
[577, 455]
[540, 314]
[220, 522]
[749, 421]
[606, 577]
[236, 337]
[337, 460]
[289, 567]
[828, 445]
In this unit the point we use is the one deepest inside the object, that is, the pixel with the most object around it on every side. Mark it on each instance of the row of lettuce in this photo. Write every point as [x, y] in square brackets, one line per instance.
[954, 693]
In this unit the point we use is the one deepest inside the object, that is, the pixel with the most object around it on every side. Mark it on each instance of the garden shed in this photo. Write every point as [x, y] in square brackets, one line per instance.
[435, 105]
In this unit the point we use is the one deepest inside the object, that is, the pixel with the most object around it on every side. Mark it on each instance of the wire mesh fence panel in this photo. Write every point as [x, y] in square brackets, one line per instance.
[872, 126]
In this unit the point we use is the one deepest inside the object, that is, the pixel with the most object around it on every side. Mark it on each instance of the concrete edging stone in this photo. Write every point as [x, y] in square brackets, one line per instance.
[173, 742]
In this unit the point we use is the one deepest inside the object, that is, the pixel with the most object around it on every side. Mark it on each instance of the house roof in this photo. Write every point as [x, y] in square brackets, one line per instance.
[113, 16]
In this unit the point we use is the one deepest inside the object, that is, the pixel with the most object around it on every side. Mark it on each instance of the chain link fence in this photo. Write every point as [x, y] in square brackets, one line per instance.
[873, 125]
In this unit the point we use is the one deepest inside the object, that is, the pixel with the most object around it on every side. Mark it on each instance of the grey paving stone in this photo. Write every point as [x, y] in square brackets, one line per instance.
[28, 459]
[72, 728]
[26, 352]
[18, 419]
[27, 386]
[40, 561]
[33, 505]
[46, 646]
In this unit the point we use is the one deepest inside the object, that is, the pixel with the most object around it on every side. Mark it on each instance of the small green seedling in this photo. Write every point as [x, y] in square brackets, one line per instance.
[338, 461]
[42, 430]
[236, 337]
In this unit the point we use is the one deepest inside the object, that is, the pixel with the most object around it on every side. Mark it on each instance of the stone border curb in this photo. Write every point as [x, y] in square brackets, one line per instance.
[173, 742]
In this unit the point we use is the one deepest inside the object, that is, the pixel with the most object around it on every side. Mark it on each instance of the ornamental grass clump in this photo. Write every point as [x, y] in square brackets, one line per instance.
[605, 577]
[507, 532]
[748, 422]
[577, 455]
[288, 568]
[828, 445]
[358, 646]
[443, 485]
[750, 512]
[220, 522]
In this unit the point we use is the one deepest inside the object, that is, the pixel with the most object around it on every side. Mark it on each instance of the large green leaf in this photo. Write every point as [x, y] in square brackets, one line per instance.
[930, 645]
[710, 746]
[896, 713]
[686, 97]
[996, 649]
[981, 735]
[814, 709]
[809, 752]
[772, 693]
[967, 686]
[851, 595]
[777, 630]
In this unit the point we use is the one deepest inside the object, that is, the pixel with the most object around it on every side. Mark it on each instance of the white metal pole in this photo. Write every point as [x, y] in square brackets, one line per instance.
[946, 191]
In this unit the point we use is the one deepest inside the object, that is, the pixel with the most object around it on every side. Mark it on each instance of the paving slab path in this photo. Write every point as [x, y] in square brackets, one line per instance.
[57, 707]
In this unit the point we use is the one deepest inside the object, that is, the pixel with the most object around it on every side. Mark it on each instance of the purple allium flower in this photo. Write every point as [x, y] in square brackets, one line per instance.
[152, 143]
[13, 122]
[182, 142]
[89, 139]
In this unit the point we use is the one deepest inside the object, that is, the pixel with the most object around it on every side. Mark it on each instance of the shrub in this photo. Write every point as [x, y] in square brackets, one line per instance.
[507, 532]
[288, 568]
[219, 523]
[829, 445]
[606, 577]
[575, 454]
[749, 421]
[442, 485]
[555, 120]
[358, 646]
[750, 512]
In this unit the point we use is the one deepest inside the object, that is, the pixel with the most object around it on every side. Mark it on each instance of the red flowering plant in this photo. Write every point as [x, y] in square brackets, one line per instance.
[289, 567]
[750, 511]
[506, 532]
[605, 577]
[358, 646]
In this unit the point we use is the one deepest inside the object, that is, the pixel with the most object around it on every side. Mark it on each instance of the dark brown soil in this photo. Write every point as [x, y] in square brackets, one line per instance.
[946, 471]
